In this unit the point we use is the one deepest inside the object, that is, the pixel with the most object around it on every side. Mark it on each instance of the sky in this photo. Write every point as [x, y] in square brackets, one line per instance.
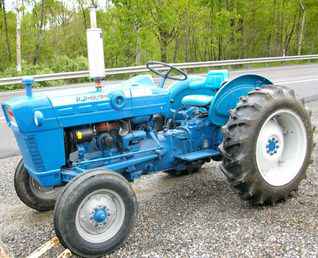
[11, 4]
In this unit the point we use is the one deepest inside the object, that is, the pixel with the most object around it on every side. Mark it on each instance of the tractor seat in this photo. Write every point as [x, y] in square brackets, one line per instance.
[197, 100]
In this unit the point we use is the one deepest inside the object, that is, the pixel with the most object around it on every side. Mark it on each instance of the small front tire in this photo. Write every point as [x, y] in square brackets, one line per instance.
[95, 213]
[31, 193]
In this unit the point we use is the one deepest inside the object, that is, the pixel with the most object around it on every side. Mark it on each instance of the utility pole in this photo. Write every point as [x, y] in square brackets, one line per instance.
[18, 35]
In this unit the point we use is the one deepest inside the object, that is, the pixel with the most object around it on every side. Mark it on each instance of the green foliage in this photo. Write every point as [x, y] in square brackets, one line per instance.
[60, 64]
[66, 64]
[135, 31]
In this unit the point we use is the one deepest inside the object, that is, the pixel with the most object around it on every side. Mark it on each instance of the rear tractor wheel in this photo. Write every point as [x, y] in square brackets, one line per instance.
[267, 145]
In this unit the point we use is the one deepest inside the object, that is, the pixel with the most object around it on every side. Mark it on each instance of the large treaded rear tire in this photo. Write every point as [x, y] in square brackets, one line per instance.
[240, 139]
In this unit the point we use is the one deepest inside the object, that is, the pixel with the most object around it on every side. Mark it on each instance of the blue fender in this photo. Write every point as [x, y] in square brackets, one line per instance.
[228, 96]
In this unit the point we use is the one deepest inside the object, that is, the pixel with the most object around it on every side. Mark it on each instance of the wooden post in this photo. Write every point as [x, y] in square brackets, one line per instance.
[4, 253]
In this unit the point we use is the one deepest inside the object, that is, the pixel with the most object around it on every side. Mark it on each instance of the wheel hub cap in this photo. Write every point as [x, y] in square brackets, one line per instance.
[100, 215]
[281, 147]
[272, 146]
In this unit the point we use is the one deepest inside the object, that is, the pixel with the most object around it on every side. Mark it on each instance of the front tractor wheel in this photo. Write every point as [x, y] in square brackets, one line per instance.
[95, 213]
[31, 193]
[267, 145]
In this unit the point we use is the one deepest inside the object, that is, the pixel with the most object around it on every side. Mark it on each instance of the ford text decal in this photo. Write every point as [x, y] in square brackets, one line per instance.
[91, 98]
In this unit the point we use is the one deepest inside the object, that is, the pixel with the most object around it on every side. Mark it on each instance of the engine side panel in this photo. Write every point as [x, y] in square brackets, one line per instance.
[97, 107]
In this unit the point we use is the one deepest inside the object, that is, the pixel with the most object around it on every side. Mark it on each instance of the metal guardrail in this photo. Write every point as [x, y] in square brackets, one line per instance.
[142, 68]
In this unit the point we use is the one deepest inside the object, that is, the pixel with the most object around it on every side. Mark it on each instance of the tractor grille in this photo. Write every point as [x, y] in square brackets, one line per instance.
[34, 153]
[30, 151]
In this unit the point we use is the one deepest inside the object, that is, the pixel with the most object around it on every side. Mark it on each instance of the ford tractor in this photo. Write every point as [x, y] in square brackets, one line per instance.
[82, 148]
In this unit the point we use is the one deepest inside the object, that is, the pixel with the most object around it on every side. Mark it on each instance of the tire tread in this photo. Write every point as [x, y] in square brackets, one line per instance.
[243, 120]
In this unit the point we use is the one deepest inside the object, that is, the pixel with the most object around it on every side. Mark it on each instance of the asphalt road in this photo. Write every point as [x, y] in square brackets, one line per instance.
[192, 216]
[302, 78]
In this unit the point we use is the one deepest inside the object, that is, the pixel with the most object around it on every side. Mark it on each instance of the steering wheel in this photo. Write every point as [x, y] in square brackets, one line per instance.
[155, 67]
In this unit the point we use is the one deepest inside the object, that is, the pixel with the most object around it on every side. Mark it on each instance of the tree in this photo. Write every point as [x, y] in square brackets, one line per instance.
[5, 22]
[165, 22]
[40, 29]
[302, 26]
[135, 31]
[18, 35]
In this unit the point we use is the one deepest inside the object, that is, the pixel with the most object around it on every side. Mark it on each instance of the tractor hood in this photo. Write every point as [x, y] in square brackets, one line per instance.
[72, 107]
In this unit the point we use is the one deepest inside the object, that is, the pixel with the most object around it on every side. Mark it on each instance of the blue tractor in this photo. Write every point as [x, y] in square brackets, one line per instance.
[81, 148]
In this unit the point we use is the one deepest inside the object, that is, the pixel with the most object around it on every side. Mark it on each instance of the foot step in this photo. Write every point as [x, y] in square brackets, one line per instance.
[202, 154]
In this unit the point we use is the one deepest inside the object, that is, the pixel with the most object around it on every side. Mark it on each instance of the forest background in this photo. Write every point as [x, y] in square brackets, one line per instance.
[53, 32]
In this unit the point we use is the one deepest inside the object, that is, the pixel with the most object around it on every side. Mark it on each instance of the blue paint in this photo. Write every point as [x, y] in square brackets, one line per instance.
[216, 78]
[100, 215]
[197, 100]
[272, 146]
[229, 94]
[196, 109]
[118, 100]
[27, 81]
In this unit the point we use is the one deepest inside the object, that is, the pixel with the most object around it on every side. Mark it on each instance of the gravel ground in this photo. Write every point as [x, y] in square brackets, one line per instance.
[192, 216]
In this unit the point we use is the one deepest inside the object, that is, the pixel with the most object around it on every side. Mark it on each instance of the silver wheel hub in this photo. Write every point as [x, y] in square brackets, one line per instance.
[281, 147]
[43, 192]
[100, 216]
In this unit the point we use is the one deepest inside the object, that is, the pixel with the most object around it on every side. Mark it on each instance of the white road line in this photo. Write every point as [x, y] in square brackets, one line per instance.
[292, 82]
